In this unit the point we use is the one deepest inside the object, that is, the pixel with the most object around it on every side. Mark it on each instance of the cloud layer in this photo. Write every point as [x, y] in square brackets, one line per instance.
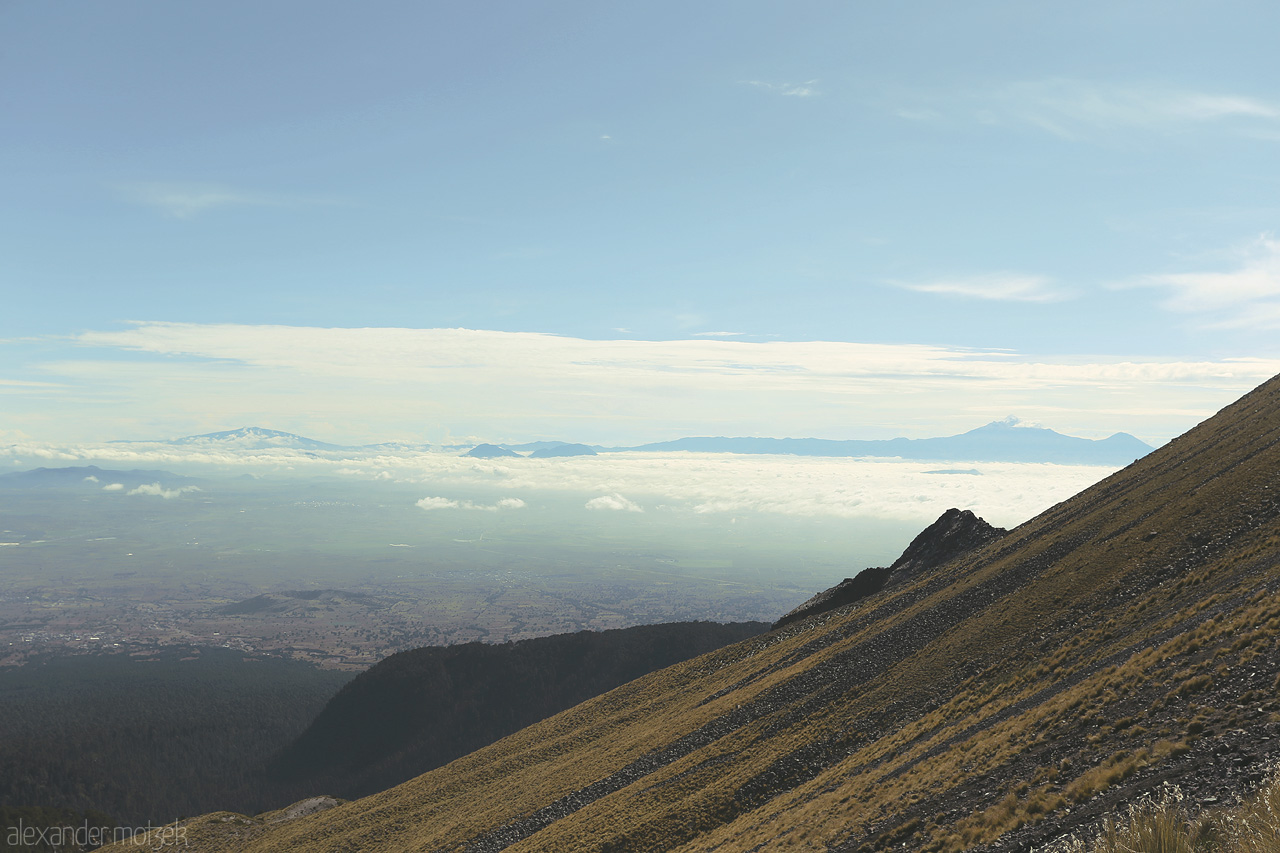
[692, 484]
[362, 385]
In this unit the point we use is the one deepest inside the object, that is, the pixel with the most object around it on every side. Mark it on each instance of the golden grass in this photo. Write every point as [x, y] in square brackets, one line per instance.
[1166, 824]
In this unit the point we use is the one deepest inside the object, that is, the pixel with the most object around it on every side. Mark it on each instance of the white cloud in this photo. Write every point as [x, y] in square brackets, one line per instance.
[159, 491]
[186, 200]
[113, 487]
[1078, 109]
[437, 503]
[1006, 287]
[91, 479]
[26, 385]
[432, 503]
[1247, 296]
[385, 383]
[1070, 107]
[614, 502]
[795, 90]
[718, 334]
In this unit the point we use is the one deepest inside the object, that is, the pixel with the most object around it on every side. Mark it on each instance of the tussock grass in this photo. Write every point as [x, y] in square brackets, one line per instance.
[1166, 824]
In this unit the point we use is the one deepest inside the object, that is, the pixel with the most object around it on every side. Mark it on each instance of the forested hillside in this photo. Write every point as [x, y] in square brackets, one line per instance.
[419, 709]
[152, 740]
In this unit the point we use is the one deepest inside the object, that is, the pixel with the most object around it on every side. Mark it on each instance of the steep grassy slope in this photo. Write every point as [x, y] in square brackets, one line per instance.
[1122, 638]
[419, 709]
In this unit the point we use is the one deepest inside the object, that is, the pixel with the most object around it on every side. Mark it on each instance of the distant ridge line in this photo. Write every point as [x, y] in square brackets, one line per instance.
[1001, 441]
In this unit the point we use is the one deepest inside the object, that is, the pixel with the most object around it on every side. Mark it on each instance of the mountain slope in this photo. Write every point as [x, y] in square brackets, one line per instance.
[422, 708]
[1125, 637]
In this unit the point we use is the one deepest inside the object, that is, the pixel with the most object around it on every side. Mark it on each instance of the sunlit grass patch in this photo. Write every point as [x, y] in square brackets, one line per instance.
[1168, 824]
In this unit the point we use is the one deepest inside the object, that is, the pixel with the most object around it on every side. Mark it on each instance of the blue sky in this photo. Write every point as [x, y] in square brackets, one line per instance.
[641, 213]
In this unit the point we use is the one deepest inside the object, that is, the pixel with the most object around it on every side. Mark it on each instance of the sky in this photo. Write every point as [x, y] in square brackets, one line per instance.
[618, 223]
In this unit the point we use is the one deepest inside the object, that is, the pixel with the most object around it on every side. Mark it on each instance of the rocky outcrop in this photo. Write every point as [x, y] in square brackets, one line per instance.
[955, 532]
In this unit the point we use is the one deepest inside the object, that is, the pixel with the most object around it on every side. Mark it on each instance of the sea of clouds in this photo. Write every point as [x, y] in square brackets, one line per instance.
[1005, 493]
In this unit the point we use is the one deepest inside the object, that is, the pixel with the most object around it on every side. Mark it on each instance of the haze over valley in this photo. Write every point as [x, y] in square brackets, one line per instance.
[275, 543]
[728, 426]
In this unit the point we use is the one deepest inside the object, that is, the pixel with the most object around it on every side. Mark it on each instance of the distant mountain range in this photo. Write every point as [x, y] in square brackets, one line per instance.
[1001, 441]
[89, 476]
[252, 438]
[563, 450]
[489, 451]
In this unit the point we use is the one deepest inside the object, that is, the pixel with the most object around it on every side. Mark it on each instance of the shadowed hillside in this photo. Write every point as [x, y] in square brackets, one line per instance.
[422, 708]
[1122, 639]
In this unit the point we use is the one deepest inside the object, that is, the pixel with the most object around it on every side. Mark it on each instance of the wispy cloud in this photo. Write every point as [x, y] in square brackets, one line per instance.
[185, 201]
[718, 334]
[23, 386]
[1245, 296]
[159, 491]
[1004, 287]
[1070, 107]
[1078, 109]
[383, 383]
[795, 90]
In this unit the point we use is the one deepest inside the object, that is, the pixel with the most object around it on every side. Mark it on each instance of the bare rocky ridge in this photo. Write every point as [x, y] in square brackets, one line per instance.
[956, 532]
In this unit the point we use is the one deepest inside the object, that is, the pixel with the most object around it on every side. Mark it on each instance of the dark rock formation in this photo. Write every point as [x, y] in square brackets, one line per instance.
[954, 533]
